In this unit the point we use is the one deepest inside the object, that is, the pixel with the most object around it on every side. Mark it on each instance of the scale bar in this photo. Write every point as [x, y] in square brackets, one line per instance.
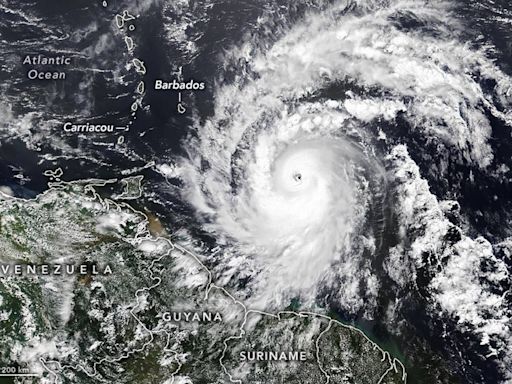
[18, 374]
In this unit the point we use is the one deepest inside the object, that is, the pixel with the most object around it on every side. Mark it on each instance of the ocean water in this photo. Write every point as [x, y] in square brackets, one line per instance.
[202, 37]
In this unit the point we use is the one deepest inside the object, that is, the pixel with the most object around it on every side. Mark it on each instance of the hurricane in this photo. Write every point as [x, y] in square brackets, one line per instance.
[328, 178]
[295, 205]
[309, 172]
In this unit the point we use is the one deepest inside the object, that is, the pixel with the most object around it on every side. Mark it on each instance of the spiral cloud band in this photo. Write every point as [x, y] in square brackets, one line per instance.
[289, 174]
[290, 159]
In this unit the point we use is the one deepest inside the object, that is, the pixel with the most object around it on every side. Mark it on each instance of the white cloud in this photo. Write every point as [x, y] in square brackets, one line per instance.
[468, 276]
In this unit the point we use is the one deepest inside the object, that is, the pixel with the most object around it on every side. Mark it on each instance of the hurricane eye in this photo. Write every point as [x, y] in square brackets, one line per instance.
[297, 177]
